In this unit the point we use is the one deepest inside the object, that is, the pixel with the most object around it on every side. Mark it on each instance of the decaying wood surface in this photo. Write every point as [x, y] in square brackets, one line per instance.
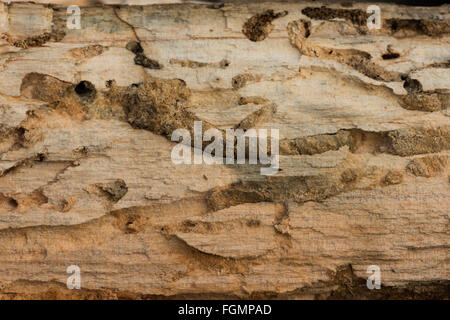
[86, 176]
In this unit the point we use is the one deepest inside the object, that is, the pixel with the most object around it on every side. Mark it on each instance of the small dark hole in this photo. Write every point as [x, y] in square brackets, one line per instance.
[84, 88]
[21, 131]
[13, 203]
[134, 47]
[40, 157]
[412, 85]
[306, 25]
[388, 56]
[110, 83]
[394, 26]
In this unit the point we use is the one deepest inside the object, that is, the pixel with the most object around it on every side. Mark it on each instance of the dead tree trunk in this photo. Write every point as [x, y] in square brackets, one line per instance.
[87, 178]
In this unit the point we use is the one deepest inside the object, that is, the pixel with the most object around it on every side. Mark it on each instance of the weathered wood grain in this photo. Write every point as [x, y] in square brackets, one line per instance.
[86, 175]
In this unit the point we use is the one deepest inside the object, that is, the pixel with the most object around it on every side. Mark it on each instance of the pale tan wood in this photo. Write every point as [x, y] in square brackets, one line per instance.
[364, 180]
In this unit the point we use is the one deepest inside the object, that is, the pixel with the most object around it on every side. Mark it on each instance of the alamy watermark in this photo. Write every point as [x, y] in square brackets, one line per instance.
[256, 139]
[74, 20]
[374, 20]
[74, 280]
[374, 280]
